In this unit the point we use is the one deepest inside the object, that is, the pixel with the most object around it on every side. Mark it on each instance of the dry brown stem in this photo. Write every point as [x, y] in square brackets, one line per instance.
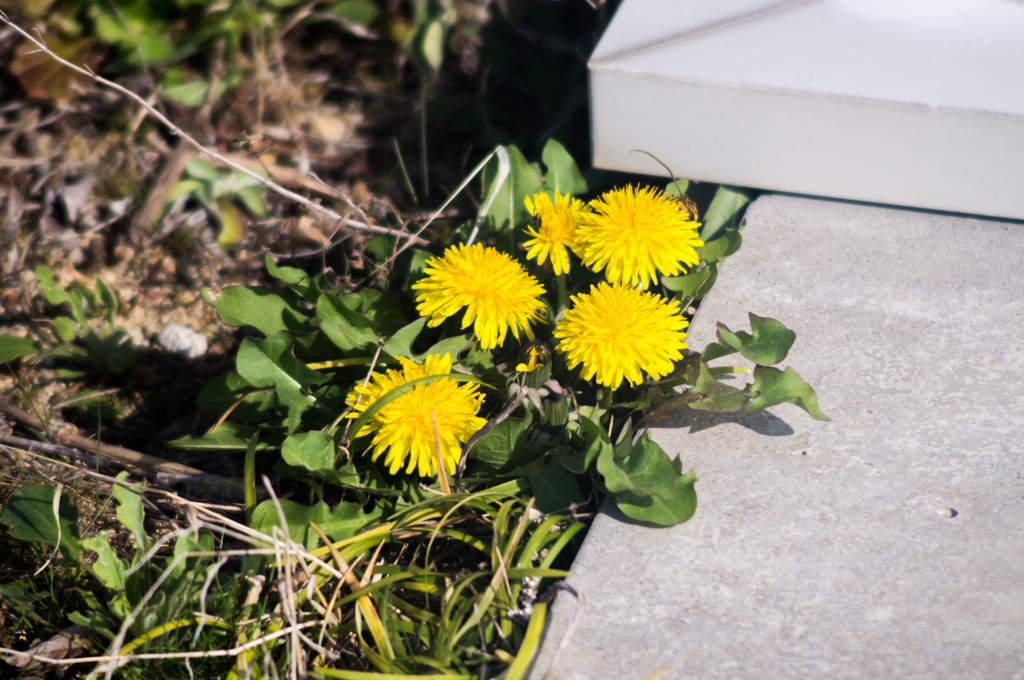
[68, 435]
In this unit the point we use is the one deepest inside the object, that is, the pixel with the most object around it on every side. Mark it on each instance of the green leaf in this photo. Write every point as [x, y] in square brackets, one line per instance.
[106, 299]
[228, 437]
[554, 487]
[596, 443]
[385, 313]
[192, 94]
[769, 343]
[222, 392]
[772, 386]
[725, 211]
[295, 279]
[649, 486]
[694, 285]
[54, 292]
[107, 567]
[12, 347]
[130, 512]
[232, 224]
[258, 308]
[722, 247]
[677, 188]
[184, 188]
[252, 200]
[348, 480]
[359, 12]
[346, 328]
[197, 168]
[432, 44]
[30, 513]
[508, 210]
[562, 174]
[271, 363]
[454, 346]
[400, 344]
[343, 522]
[714, 395]
[496, 449]
[310, 450]
[67, 328]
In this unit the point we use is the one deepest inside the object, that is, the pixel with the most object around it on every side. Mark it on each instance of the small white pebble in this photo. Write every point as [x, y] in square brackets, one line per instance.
[182, 341]
[948, 512]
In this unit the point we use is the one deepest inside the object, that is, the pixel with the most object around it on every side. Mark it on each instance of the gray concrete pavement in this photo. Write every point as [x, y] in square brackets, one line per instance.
[888, 543]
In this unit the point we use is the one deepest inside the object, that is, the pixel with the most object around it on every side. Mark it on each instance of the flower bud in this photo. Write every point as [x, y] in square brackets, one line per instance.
[535, 362]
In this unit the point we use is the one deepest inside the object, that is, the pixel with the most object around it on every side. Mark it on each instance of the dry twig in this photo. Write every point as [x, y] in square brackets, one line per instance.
[68, 435]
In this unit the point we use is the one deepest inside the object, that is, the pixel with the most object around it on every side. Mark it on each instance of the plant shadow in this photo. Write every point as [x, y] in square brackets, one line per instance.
[761, 422]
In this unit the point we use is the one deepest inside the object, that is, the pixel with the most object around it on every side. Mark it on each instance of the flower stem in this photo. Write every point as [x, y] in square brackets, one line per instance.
[563, 294]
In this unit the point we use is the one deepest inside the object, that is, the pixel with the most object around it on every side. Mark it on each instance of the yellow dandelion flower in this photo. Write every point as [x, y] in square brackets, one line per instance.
[558, 222]
[634, 233]
[404, 428]
[496, 291]
[616, 332]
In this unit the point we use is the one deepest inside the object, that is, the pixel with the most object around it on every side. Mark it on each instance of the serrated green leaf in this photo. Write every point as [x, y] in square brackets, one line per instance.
[258, 308]
[772, 386]
[725, 211]
[768, 344]
[712, 395]
[107, 567]
[696, 284]
[295, 279]
[309, 450]
[12, 347]
[562, 174]
[722, 247]
[343, 522]
[345, 327]
[649, 486]
[271, 363]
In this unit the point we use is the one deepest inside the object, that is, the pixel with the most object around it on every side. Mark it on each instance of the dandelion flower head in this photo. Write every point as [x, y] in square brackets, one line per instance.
[616, 332]
[496, 291]
[635, 233]
[404, 429]
[558, 222]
